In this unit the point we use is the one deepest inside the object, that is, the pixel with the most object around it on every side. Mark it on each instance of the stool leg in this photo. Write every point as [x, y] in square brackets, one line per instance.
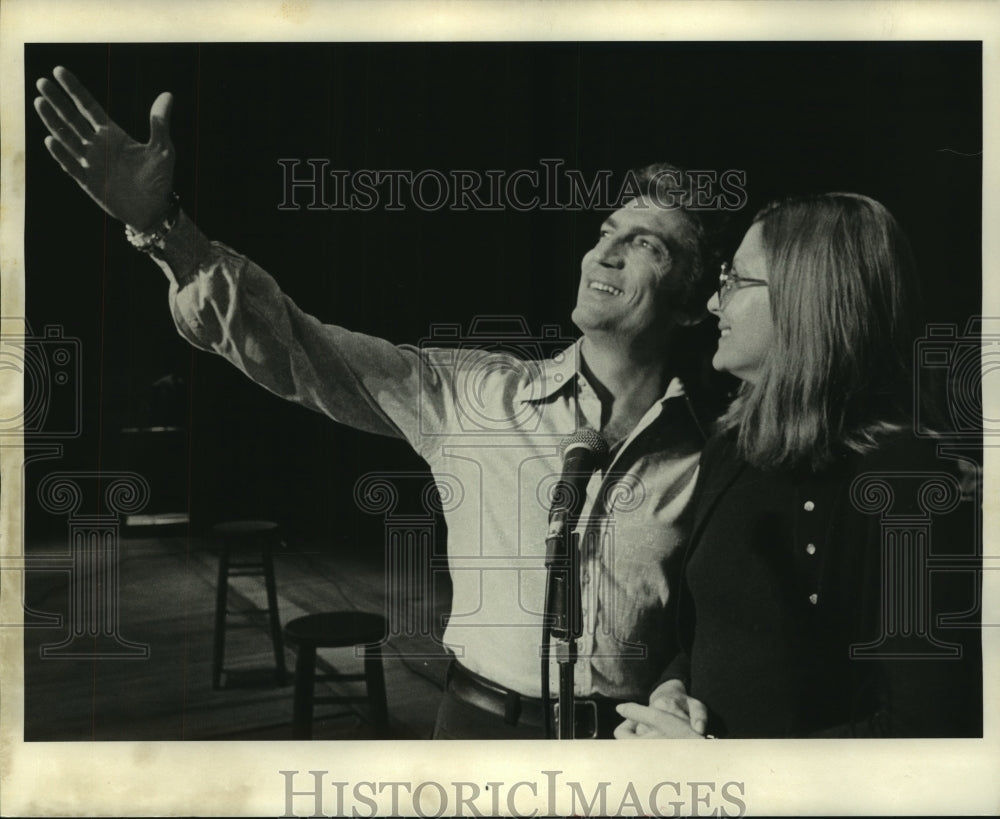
[272, 609]
[305, 678]
[219, 636]
[375, 684]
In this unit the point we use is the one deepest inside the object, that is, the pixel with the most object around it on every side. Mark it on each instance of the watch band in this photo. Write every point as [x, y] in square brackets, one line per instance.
[153, 240]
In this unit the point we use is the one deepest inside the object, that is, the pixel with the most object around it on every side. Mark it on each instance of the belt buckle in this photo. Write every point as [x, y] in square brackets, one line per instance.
[581, 708]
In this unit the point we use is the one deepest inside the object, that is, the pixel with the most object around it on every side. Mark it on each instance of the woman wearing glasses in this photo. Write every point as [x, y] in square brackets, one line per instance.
[809, 606]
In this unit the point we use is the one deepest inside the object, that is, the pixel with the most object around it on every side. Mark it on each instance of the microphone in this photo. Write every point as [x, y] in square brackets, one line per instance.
[583, 452]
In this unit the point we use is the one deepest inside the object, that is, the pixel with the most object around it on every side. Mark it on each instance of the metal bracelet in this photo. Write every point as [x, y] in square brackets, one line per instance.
[154, 240]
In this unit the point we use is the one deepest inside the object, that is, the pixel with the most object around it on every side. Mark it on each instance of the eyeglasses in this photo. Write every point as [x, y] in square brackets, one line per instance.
[730, 281]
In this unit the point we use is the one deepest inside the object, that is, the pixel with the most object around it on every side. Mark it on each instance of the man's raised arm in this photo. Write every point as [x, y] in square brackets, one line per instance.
[223, 302]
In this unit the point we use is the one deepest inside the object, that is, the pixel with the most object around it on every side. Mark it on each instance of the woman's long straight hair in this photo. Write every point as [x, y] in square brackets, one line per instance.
[844, 302]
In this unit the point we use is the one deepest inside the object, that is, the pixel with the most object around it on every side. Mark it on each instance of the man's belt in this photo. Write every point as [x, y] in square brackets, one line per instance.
[595, 715]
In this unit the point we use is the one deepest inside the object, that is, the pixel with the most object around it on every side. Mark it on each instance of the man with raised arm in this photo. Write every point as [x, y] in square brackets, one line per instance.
[641, 284]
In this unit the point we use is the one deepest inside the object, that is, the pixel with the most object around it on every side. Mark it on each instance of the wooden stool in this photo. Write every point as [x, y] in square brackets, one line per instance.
[258, 538]
[337, 630]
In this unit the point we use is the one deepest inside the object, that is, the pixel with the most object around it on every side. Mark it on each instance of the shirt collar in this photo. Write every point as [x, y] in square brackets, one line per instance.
[557, 373]
[551, 375]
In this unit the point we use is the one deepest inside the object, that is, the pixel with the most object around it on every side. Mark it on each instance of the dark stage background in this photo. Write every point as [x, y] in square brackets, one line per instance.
[899, 121]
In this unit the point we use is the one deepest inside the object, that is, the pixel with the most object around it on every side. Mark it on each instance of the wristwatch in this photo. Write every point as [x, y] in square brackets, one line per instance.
[154, 240]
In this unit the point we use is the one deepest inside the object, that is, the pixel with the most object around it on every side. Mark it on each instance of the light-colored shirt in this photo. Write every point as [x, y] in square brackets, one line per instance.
[489, 425]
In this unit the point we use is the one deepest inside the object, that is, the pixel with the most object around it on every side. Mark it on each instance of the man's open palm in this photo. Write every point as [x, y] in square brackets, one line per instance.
[131, 181]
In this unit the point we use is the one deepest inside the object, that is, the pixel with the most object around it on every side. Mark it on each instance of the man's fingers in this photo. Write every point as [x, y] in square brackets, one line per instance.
[64, 109]
[66, 160]
[159, 119]
[81, 96]
[62, 133]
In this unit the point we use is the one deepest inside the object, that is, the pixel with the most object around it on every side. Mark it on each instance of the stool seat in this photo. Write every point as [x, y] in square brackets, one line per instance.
[336, 629]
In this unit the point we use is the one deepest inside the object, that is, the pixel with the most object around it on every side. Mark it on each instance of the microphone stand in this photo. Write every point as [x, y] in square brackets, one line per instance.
[582, 453]
[563, 610]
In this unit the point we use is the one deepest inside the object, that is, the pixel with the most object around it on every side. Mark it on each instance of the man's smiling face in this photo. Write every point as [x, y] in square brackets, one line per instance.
[624, 284]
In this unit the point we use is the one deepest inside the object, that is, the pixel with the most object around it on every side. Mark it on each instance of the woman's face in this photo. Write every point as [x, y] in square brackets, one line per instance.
[746, 332]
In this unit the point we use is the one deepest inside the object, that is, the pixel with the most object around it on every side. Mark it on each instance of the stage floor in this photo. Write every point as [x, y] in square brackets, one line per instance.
[166, 599]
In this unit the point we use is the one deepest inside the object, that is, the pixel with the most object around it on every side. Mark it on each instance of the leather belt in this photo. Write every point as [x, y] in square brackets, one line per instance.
[595, 715]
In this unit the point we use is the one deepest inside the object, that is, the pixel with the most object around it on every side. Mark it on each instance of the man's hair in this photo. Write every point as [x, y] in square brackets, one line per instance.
[698, 248]
[844, 296]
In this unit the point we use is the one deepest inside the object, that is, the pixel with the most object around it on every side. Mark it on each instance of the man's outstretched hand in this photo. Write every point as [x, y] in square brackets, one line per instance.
[131, 181]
